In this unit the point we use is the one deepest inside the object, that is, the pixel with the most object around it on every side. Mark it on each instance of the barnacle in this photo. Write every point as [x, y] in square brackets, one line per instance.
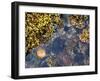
[78, 21]
[84, 37]
[39, 28]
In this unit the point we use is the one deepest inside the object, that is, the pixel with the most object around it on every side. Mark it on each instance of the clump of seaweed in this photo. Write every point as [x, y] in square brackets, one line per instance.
[84, 36]
[39, 28]
[78, 21]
